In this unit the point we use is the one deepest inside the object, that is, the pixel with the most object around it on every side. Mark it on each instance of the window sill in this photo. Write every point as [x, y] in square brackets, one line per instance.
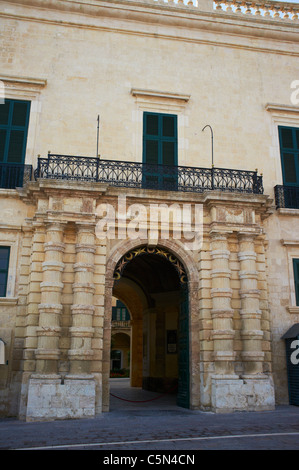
[8, 300]
[8, 191]
[293, 310]
[288, 211]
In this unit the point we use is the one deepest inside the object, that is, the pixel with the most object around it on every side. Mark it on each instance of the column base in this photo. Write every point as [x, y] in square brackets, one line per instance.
[250, 393]
[50, 397]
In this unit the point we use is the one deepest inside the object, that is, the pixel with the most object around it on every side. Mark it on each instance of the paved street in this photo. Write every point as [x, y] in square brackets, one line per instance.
[156, 425]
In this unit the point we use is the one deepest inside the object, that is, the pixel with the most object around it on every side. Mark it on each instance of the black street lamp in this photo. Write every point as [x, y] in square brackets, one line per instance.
[208, 125]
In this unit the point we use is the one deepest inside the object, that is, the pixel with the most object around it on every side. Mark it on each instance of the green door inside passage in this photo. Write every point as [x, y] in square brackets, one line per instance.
[183, 398]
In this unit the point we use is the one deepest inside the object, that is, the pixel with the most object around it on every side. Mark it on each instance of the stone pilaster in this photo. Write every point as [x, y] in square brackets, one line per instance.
[83, 308]
[34, 260]
[222, 313]
[250, 312]
[50, 308]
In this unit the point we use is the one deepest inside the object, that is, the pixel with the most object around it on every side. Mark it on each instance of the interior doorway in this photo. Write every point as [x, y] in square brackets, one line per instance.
[120, 340]
[152, 283]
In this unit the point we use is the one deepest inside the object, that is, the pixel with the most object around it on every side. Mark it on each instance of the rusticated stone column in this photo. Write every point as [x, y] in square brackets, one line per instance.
[222, 313]
[50, 308]
[83, 308]
[251, 333]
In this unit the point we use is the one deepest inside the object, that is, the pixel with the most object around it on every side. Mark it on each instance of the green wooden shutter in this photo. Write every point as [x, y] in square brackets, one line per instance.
[160, 150]
[289, 151]
[14, 120]
[120, 312]
[4, 263]
[296, 279]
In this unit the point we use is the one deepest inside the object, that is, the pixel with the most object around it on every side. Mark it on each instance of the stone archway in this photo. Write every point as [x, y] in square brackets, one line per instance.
[177, 251]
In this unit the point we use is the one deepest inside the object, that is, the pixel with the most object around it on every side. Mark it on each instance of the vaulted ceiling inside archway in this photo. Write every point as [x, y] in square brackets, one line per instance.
[153, 273]
[150, 273]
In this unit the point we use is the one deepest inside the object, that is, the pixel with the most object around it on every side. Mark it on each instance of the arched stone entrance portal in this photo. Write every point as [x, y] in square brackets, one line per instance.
[155, 285]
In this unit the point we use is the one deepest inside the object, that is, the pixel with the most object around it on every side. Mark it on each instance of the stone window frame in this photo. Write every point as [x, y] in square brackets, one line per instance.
[292, 247]
[27, 89]
[285, 115]
[6, 240]
[281, 115]
[160, 102]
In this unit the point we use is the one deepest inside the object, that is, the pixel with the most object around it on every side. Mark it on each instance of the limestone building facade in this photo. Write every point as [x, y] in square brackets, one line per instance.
[149, 152]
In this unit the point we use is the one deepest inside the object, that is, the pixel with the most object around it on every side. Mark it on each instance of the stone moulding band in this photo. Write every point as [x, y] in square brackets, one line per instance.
[82, 331]
[47, 354]
[54, 246]
[224, 356]
[86, 287]
[52, 266]
[84, 248]
[221, 273]
[80, 353]
[222, 313]
[84, 267]
[220, 254]
[50, 308]
[78, 309]
[223, 334]
[221, 292]
[252, 355]
[51, 286]
[48, 331]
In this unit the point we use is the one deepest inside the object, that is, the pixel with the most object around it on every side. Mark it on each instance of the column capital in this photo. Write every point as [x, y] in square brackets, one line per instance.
[247, 236]
[219, 235]
[36, 225]
[85, 226]
[55, 225]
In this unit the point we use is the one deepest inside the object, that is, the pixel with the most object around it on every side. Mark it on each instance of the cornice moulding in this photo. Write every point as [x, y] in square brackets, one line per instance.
[133, 14]
[159, 94]
[289, 242]
[32, 82]
[273, 107]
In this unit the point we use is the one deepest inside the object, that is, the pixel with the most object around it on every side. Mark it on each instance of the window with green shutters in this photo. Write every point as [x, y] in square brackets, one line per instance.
[160, 150]
[289, 151]
[14, 120]
[120, 312]
[296, 278]
[4, 263]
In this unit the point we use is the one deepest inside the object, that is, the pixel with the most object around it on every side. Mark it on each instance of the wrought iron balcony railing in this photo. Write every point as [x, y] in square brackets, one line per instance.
[14, 175]
[286, 197]
[148, 176]
[120, 324]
